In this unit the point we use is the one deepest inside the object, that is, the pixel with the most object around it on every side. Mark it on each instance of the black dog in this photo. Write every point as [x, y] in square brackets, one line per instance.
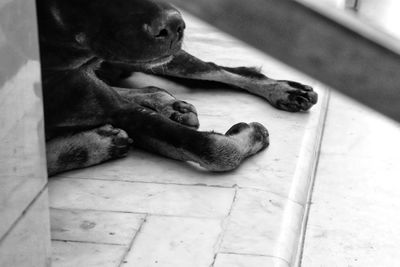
[88, 45]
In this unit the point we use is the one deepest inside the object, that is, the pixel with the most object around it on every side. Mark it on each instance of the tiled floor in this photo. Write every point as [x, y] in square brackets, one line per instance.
[354, 219]
[147, 210]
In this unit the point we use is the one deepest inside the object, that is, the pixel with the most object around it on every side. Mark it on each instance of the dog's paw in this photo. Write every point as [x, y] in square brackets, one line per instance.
[86, 148]
[226, 152]
[292, 96]
[181, 112]
[162, 102]
[115, 141]
[254, 135]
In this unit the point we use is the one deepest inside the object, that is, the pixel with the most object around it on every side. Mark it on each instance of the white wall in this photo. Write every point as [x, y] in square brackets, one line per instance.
[24, 220]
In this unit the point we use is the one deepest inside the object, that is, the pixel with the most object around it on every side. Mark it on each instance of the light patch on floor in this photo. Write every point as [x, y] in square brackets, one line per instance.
[354, 218]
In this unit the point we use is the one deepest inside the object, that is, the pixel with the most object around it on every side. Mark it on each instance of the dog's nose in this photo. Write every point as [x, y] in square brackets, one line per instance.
[167, 27]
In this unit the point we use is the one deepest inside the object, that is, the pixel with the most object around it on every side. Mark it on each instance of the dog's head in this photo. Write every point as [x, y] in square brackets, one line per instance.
[137, 32]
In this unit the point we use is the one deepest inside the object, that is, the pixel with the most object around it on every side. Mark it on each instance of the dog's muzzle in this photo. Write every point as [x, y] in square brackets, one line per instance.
[168, 28]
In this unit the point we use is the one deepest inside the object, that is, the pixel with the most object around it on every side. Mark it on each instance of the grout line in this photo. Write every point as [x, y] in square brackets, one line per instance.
[224, 224]
[132, 241]
[303, 230]
[94, 210]
[88, 242]
[23, 214]
[143, 182]
[234, 200]
[140, 213]
[178, 184]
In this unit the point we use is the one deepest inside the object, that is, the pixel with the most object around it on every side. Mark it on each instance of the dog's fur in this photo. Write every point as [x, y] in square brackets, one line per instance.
[88, 45]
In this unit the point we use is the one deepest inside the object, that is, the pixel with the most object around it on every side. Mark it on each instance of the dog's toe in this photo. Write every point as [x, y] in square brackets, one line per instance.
[183, 113]
[184, 107]
[188, 119]
[118, 141]
[259, 136]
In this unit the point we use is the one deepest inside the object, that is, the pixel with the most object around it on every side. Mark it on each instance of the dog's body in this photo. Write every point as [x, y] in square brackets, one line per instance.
[87, 46]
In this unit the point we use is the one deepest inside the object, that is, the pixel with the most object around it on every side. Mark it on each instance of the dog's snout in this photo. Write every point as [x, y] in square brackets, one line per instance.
[169, 27]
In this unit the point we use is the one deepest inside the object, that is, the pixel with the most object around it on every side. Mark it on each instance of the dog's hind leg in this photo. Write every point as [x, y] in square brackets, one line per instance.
[86, 148]
[286, 95]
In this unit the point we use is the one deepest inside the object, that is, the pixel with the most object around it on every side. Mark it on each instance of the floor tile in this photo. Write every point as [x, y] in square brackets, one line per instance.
[140, 197]
[354, 217]
[262, 223]
[74, 254]
[28, 242]
[237, 260]
[94, 226]
[175, 242]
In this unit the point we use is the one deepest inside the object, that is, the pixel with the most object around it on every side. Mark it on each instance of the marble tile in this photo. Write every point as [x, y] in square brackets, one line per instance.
[237, 260]
[175, 242]
[16, 193]
[352, 231]
[28, 242]
[73, 254]
[140, 197]
[358, 130]
[262, 223]
[94, 226]
[354, 217]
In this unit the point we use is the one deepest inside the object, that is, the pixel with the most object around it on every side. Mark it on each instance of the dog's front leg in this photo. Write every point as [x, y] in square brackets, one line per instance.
[286, 95]
[154, 127]
[213, 151]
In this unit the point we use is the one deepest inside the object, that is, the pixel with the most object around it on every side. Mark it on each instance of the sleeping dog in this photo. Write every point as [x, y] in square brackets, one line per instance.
[87, 46]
